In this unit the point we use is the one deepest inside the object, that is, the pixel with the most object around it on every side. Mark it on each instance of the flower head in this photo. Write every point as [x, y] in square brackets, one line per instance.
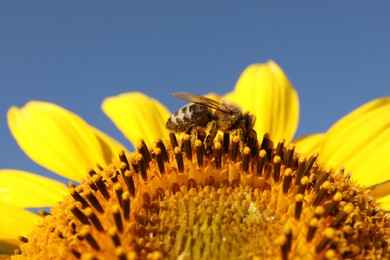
[172, 198]
[180, 202]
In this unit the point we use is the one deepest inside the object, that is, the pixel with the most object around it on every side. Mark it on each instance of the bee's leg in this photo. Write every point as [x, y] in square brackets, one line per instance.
[249, 139]
[190, 129]
[211, 133]
[241, 136]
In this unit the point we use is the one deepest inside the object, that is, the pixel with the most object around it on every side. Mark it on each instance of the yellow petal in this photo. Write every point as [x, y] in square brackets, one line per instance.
[385, 202]
[265, 91]
[110, 147]
[309, 144]
[360, 142]
[137, 116]
[229, 96]
[14, 222]
[59, 140]
[381, 190]
[29, 190]
[7, 247]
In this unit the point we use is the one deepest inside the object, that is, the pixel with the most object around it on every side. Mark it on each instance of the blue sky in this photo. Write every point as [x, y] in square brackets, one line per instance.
[76, 53]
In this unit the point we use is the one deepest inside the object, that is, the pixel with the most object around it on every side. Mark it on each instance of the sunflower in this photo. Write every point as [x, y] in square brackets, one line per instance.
[271, 199]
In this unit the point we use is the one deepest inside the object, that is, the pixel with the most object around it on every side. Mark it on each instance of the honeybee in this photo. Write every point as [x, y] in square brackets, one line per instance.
[210, 115]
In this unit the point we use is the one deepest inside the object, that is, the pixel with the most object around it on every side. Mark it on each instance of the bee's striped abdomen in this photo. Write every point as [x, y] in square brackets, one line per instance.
[187, 116]
[182, 115]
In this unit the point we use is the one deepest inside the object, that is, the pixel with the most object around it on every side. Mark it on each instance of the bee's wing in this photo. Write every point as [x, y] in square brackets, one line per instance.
[194, 98]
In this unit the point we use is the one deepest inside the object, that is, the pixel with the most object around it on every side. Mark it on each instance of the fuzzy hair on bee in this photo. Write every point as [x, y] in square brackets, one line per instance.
[204, 113]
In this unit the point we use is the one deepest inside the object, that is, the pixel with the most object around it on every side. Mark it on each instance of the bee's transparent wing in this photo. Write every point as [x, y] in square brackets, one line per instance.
[197, 99]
